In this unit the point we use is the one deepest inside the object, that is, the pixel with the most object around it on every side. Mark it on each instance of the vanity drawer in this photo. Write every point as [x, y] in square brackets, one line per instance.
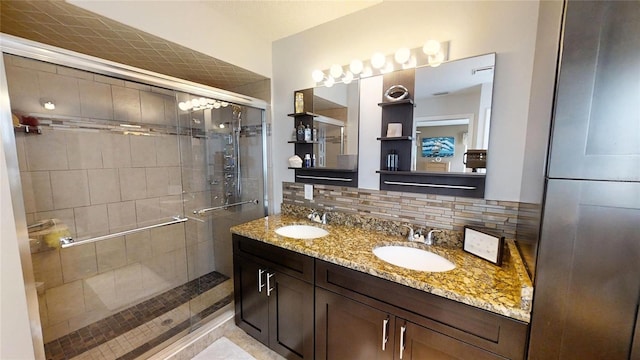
[493, 332]
[282, 260]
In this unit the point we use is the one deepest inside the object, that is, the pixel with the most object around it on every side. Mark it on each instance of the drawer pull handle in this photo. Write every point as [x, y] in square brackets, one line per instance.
[385, 336]
[260, 284]
[269, 288]
[403, 330]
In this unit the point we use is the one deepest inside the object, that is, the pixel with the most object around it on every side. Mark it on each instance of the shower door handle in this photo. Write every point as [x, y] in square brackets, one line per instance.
[269, 288]
[260, 284]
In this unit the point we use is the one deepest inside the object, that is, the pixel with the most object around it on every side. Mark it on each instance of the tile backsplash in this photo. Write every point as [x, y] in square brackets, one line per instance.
[420, 210]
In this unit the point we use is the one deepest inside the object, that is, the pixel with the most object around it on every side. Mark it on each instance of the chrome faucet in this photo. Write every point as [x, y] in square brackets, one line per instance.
[414, 235]
[315, 217]
[410, 234]
[430, 238]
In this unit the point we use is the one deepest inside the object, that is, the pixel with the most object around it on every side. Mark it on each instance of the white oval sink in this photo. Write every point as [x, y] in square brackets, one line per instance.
[414, 259]
[301, 231]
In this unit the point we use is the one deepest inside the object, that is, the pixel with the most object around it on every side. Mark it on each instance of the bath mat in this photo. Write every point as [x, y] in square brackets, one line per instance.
[223, 349]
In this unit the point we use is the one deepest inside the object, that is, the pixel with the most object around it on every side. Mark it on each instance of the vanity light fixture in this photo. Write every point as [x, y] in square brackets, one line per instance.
[432, 53]
[201, 104]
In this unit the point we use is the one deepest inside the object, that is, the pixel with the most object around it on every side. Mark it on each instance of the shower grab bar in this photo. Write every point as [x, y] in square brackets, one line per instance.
[463, 187]
[202, 212]
[324, 178]
[67, 242]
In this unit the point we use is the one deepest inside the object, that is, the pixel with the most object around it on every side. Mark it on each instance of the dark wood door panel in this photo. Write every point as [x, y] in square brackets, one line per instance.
[252, 308]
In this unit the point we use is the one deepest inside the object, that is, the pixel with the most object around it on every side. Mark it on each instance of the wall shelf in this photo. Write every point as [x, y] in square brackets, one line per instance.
[399, 102]
[395, 138]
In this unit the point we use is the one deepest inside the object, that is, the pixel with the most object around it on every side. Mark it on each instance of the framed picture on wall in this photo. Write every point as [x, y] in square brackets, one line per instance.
[442, 146]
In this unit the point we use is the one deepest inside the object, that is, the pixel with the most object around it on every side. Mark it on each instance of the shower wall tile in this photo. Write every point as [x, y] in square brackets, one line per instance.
[167, 239]
[170, 206]
[69, 72]
[70, 188]
[126, 104]
[47, 268]
[170, 110]
[91, 221]
[87, 318]
[108, 80]
[168, 152]
[84, 150]
[122, 216]
[138, 246]
[148, 211]
[78, 262]
[64, 302]
[143, 151]
[111, 254]
[175, 180]
[182, 273]
[95, 100]
[36, 191]
[20, 149]
[63, 91]
[152, 108]
[157, 181]
[133, 183]
[42, 309]
[116, 150]
[138, 86]
[104, 186]
[25, 93]
[47, 151]
[30, 64]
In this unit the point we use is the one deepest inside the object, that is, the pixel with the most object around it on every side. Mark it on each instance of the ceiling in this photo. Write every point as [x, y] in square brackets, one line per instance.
[63, 25]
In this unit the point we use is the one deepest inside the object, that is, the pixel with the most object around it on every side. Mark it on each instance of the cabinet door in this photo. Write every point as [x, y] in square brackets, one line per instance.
[346, 329]
[251, 303]
[586, 297]
[290, 316]
[417, 343]
[596, 130]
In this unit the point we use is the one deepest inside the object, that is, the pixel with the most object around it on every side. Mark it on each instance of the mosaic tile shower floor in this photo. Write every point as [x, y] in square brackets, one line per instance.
[140, 328]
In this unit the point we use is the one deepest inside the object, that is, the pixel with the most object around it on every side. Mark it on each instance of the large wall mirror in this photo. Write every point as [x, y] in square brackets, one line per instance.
[452, 115]
[336, 125]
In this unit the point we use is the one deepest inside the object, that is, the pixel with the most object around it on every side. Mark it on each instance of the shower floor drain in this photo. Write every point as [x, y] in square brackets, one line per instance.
[166, 322]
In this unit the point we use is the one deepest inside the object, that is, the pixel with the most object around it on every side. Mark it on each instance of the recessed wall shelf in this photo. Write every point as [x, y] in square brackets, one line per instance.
[395, 138]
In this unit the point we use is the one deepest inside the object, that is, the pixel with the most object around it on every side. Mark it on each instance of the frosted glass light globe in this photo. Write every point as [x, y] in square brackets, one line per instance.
[329, 82]
[317, 75]
[195, 102]
[436, 60]
[335, 71]
[348, 77]
[431, 47]
[356, 66]
[402, 55]
[378, 60]
[184, 106]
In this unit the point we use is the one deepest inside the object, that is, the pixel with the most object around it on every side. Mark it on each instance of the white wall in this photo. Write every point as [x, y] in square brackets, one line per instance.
[473, 28]
[191, 24]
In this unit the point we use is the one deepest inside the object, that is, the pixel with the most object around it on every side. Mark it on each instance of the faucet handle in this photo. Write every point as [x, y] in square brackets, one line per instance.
[429, 240]
[410, 234]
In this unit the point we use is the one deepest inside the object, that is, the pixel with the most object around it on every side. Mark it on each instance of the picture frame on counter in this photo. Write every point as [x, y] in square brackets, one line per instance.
[483, 244]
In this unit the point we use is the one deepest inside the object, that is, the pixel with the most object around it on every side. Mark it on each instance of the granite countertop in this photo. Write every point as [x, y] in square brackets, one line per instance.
[505, 290]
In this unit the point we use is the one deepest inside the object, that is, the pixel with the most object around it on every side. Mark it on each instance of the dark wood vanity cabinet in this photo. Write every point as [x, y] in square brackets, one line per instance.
[273, 291]
[357, 312]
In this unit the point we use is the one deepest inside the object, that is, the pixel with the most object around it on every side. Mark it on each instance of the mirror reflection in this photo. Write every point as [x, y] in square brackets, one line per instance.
[452, 115]
[337, 126]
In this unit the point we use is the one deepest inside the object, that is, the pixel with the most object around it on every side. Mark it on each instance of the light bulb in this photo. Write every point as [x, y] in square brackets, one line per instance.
[387, 69]
[329, 82]
[436, 60]
[224, 104]
[356, 66]
[366, 72]
[184, 106]
[431, 47]
[317, 75]
[402, 55]
[348, 77]
[378, 60]
[335, 71]
[410, 64]
[210, 101]
[222, 126]
[216, 105]
[49, 105]
[195, 103]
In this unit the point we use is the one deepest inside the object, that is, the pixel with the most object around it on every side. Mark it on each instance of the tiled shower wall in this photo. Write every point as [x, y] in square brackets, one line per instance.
[100, 182]
[421, 210]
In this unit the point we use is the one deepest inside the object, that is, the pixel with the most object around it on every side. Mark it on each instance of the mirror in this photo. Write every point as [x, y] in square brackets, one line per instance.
[337, 126]
[452, 115]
